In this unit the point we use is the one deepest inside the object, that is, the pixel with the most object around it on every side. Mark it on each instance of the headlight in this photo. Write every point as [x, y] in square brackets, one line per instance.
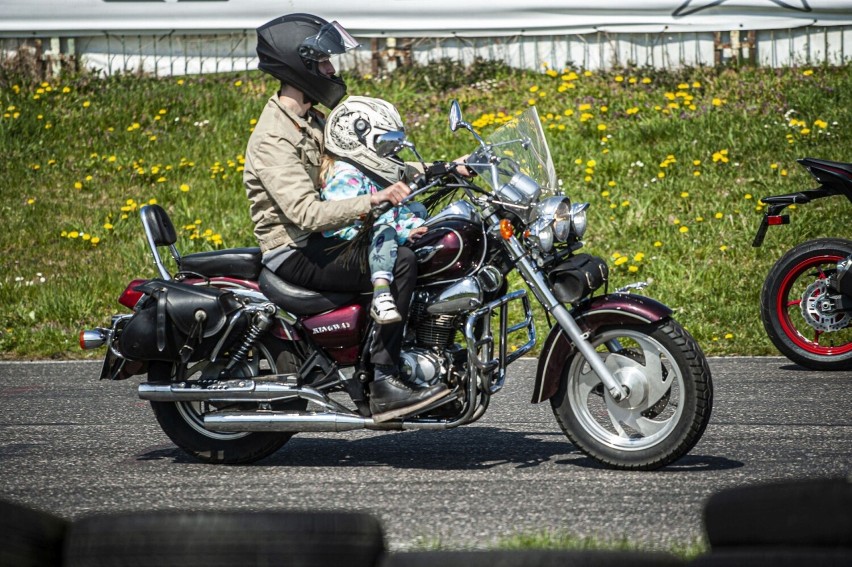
[552, 222]
[555, 212]
[545, 239]
[578, 218]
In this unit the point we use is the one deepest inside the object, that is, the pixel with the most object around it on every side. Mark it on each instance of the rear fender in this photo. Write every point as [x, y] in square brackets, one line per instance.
[603, 311]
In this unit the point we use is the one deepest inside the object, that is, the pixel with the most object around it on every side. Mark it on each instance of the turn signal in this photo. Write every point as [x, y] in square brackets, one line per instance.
[506, 230]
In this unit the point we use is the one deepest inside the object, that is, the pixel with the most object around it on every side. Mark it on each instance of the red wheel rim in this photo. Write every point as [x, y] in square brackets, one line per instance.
[782, 305]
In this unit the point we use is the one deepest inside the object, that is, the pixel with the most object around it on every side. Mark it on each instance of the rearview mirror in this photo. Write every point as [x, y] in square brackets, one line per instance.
[455, 116]
[390, 143]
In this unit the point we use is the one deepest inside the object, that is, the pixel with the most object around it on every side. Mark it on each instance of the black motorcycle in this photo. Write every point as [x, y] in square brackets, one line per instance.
[806, 300]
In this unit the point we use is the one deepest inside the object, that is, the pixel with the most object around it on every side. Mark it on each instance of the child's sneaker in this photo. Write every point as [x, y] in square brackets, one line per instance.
[384, 309]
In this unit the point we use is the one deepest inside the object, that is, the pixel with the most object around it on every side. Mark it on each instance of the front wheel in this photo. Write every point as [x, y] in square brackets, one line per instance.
[794, 311]
[669, 403]
[183, 422]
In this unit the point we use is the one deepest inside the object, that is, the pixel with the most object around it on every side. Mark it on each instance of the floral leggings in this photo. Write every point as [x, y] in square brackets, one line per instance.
[382, 253]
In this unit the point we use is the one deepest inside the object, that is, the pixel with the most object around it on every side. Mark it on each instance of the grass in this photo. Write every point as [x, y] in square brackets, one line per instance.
[673, 165]
[558, 540]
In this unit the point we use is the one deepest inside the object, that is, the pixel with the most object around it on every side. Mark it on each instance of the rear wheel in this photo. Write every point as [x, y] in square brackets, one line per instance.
[794, 312]
[183, 422]
[669, 403]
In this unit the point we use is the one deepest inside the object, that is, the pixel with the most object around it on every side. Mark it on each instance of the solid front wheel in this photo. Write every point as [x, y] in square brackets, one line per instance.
[793, 306]
[668, 403]
[183, 422]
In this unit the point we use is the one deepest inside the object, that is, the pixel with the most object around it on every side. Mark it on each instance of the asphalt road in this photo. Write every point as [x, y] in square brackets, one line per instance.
[72, 445]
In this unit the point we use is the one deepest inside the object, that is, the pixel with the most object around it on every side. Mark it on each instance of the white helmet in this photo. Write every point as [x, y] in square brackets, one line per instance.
[352, 129]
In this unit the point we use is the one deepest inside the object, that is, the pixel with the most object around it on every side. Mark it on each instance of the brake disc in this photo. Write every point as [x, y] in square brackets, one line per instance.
[818, 309]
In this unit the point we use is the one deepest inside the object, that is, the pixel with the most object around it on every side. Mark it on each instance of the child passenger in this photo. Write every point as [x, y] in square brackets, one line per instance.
[351, 167]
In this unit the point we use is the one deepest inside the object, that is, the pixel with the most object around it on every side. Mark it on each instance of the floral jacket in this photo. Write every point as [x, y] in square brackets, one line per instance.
[346, 181]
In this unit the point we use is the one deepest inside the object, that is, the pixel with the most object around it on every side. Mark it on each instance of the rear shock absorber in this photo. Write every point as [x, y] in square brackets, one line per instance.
[261, 321]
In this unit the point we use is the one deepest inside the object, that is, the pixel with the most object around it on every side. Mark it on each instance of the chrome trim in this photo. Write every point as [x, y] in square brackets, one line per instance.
[481, 348]
[158, 260]
[117, 320]
[457, 209]
[285, 422]
[460, 297]
[538, 284]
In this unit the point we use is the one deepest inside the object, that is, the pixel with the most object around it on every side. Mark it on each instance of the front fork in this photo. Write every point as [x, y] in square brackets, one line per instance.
[540, 287]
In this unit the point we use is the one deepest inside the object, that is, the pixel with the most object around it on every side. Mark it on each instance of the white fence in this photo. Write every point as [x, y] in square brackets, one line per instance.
[176, 37]
[182, 53]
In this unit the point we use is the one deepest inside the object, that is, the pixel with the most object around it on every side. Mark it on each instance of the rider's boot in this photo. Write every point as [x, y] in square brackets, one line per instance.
[391, 397]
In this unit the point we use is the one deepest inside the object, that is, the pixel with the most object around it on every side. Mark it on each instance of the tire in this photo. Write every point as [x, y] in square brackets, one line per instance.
[807, 513]
[179, 539]
[816, 341]
[183, 421]
[667, 411]
[29, 536]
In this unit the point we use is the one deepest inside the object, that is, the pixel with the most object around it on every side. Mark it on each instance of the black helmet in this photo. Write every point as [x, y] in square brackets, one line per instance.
[291, 47]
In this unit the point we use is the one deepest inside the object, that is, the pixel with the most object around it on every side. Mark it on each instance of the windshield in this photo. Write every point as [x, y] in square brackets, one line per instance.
[518, 146]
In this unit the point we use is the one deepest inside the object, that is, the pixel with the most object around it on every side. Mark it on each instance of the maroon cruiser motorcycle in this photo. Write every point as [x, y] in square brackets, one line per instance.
[239, 360]
[806, 300]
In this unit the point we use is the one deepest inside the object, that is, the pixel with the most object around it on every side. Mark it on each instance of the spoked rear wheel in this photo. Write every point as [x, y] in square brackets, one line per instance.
[183, 422]
[794, 307]
[669, 403]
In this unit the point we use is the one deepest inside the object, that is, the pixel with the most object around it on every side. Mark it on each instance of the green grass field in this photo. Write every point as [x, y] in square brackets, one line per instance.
[673, 164]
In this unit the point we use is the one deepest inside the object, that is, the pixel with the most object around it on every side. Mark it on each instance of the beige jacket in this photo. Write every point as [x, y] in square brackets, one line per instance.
[282, 180]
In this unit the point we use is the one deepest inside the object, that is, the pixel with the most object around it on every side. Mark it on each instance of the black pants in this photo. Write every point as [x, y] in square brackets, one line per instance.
[317, 266]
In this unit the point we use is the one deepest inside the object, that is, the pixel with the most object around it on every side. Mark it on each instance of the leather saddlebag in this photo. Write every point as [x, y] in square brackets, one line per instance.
[180, 322]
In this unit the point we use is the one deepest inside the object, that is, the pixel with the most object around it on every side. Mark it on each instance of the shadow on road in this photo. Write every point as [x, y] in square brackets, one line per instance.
[475, 448]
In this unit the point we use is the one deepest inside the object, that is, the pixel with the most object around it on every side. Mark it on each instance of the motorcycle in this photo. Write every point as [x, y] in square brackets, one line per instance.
[806, 300]
[239, 360]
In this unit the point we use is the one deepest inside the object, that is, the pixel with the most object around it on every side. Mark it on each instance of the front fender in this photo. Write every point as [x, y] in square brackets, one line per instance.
[605, 310]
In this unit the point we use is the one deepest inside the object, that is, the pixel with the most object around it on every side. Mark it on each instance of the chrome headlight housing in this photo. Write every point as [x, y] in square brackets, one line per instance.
[578, 219]
[522, 191]
[553, 222]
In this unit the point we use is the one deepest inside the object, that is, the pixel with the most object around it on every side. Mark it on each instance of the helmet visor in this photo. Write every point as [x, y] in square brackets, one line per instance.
[331, 39]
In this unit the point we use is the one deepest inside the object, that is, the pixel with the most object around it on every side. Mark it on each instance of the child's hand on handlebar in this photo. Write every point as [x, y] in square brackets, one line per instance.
[393, 194]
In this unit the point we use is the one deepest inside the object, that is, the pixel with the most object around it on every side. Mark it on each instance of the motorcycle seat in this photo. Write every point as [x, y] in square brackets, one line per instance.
[243, 263]
[298, 300]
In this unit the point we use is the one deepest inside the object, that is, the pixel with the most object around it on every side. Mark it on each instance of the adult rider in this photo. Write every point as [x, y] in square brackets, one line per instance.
[281, 176]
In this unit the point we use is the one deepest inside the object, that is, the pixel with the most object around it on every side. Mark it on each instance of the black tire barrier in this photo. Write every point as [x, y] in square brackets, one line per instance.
[30, 537]
[809, 513]
[776, 557]
[180, 539]
[531, 558]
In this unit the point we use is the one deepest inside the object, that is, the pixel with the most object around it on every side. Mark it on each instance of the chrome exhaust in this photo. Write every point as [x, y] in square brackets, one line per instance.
[223, 391]
[325, 422]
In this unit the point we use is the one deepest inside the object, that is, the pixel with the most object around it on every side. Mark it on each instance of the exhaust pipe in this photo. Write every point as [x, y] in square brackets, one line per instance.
[222, 391]
[326, 422]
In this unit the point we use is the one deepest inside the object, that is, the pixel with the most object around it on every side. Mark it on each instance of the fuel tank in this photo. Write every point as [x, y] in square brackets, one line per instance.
[453, 247]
